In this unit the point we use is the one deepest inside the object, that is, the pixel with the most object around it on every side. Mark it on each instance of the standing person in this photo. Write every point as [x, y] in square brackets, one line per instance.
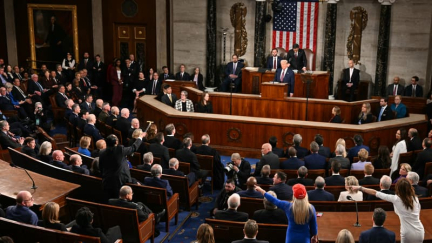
[285, 75]
[350, 81]
[406, 206]
[302, 221]
[68, 65]
[297, 58]
[274, 60]
[205, 105]
[233, 73]
[198, 78]
[399, 147]
[116, 80]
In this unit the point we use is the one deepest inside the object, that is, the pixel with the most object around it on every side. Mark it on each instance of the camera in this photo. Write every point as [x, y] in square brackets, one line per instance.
[229, 167]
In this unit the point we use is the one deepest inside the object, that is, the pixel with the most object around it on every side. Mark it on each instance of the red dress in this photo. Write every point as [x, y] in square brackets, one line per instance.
[117, 85]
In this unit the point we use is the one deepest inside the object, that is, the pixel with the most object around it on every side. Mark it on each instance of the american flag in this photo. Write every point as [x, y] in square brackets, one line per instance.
[296, 23]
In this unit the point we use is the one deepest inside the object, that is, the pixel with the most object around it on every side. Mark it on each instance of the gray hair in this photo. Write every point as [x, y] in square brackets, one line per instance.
[185, 93]
[413, 177]
[38, 103]
[302, 171]
[234, 201]
[340, 149]
[297, 139]
[125, 190]
[45, 148]
[319, 182]
[156, 170]
[8, 85]
[267, 204]
[385, 182]
[148, 157]
[205, 139]
[314, 146]
[235, 156]
[173, 162]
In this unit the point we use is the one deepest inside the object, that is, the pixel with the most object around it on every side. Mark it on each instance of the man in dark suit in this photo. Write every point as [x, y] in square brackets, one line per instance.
[323, 150]
[173, 170]
[68, 110]
[414, 89]
[297, 58]
[278, 151]
[353, 152]
[100, 145]
[160, 151]
[273, 61]
[315, 161]
[8, 104]
[98, 72]
[285, 75]
[166, 74]
[420, 191]
[319, 194]
[75, 161]
[385, 184]
[156, 181]
[265, 178]
[350, 81]
[271, 214]
[240, 171]
[19, 95]
[292, 163]
[301, 178]
[85, 62]
[35, 89]
[250, 189]
[414, 142]
[221, 202]
[61, 77]
[395, 88]
[123, 124]
[250, 231]
[6, 137]
[170, 140]
[29, 147]
[301, 152]
[282, 190]
[61, 97]
[218, 168]
[169, 98]
[233, 74]
[186, 155]
[90, 128]
[88, 104]
[147, 162]
[423, 157]
[16, 73]
[335, 179]
[182, 75]
[378, 234]
[231, 213]
[268, 158]
[58, 160]
[384, 113]
[368, 178]
[98, 108]
[112, 119]
[154, 88]
[114, 167]
[82, 120]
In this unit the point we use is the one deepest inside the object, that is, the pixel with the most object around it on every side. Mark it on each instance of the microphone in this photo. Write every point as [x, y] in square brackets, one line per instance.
[351, 199]
[34, 187]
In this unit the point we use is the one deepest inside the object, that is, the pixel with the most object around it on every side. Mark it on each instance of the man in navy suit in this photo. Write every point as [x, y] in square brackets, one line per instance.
[323, 150]
[423, 157]
[301, 152]
[385, 184]
[156, 181]
[350, 81]
[285, 75]
[378, 234]
[384, 113]
[297, 58]
[75, 161]
[420, 191]
[282, 190]
[90, 128]
[301, 179]
[58, 158]
[250, 232]
[231, 213]
[250, 191]
[278, 151]
[335, 179]
[315, 161]
[233, 73]
[368, 178]
[182, 75]
[414, 90]
[274, 60]
[293, 163]
[319, 194]
[88, 104]
[353, 152]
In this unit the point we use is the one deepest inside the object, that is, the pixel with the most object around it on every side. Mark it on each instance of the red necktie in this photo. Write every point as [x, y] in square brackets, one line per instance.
[394, 90]
[282, 76]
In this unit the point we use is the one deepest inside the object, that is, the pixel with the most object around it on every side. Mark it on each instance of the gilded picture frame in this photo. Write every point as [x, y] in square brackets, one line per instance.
[53, 32]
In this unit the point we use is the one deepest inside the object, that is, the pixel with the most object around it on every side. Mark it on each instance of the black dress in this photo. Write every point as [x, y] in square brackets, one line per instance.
[205, 108]
[369, 119]
[336, 119]
[140, 85]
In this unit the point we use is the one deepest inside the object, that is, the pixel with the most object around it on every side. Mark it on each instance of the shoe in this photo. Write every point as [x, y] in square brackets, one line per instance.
[159, 216]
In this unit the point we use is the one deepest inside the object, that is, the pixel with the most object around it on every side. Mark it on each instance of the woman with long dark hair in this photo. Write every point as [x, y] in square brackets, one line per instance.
[383, 160]
[198, 78]
[68, 66]
[399, 147]
[205, 106]
[205, 234]
[116, 80]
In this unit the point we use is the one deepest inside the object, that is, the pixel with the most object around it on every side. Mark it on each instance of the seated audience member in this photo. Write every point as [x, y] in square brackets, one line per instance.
[423, 157]
[170, 140]
[88, 104]
[205, 105]
[83, 226]
[414, 141]
[344, 236]
[61, 97]
[250, 231]
[315, 161]
[271, 214]
[231, 213]
[335, 179]
[268, 158]
[123, 124]
[160, 151]
[191, 136]
[221, 202]
[100, 145]
[420, 191]
[68, 110]
[353, 152]
[301, 152]
[112, 119]
[273, 61]
[184, 104]
[29, 147]
[363, 156]
[395, 88]
[414, 89]
[383, 160]
[74, 116]
[45, 153]
[135, 124]
[6, 137]
[84, 145]
[368, 178]
[250, 191]
[104, 114]
[356, 195]
[218, 168]
[50, 217]
[384, 113]
[75, 161]
[173, 170]
[98, 108]
[301, 178]
[90, 128]
[94, 170]
[21, 212]
[278, 151]
[282, 190]
[58, 158]
[336, 111]
[340, 141]
[365, 115]
[147, 162]
[169, 98]
[403, 172]
[240, 171]
[156, 181]
[319, 194]
[8, 103]
[205, 234]
[265, 179]
[385, 184]
[398, 107]
[323, 150]
[182, 75]
[143, 147]
[378, 234]
[292, 163]
[186, 155]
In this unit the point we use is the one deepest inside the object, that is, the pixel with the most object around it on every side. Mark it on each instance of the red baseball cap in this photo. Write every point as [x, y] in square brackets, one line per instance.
[299, 191]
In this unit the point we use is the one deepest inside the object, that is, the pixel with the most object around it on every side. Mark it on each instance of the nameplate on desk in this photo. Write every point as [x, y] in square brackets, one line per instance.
[170, 80]
[274, 83]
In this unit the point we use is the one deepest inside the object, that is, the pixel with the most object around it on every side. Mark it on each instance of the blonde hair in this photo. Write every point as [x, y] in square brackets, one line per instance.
[363, 155]
[344, 236]
[351, 181]
[368, 111]
[50, 213]
[136, 133]
[342, 142]
[301, 209]
[45, 148]
[406, 166]
[85, 142]
[205, 234]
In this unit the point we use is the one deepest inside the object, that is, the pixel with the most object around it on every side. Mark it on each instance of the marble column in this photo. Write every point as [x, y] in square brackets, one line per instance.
[383, 47]
[330, 41]
[260, 33]
[211, 43]
[98, 44]
[11, 40]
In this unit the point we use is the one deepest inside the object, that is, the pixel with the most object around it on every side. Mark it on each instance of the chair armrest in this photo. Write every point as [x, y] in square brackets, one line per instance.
[173, 205]
[146, 228]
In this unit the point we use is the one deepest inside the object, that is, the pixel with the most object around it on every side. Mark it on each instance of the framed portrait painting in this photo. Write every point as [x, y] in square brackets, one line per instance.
[53, 31]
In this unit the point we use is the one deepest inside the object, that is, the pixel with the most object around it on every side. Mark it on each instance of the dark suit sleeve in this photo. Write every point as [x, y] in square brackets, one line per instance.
[245, 171]
[169, 189]
[355, 78]
[129, 150]
[304, 60]
[291, 83]
[228, 69]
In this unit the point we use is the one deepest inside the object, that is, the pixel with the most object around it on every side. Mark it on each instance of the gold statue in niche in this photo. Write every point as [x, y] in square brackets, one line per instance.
[238, 21]
[359, 18]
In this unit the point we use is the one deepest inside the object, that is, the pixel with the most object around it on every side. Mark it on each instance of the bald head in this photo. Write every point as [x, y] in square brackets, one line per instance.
[125, 113]
[101, 144]
[23, 197]
[251, 183]
[135, 123]
[99, 103]
[266, 148]
[58, 155]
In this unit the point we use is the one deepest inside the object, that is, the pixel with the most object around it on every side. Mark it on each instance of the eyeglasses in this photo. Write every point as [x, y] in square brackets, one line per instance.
[28, 200]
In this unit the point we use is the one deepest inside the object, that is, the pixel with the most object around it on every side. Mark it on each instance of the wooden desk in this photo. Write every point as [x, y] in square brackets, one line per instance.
[175, 85]
[14, 180]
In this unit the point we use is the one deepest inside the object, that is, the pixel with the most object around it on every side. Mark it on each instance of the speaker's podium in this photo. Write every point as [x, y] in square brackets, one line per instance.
[274, 90]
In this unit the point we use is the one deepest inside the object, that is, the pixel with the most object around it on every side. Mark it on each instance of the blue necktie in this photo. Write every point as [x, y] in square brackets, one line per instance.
[380, 114]
[40, 86]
